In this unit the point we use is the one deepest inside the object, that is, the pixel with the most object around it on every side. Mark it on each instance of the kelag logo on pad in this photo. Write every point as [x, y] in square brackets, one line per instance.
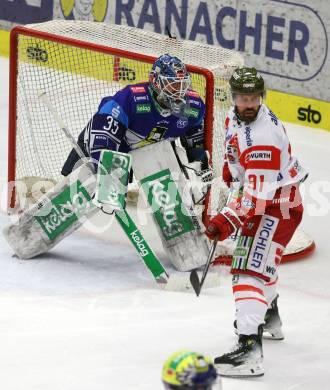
[66, 208]
[167, 205]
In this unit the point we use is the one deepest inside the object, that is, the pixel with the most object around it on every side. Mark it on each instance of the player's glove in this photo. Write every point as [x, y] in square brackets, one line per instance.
[223, 225]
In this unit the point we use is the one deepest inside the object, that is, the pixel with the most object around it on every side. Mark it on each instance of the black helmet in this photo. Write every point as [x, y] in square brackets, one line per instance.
[246, 80]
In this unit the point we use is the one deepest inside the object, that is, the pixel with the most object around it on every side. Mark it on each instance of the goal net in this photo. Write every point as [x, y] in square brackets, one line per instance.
[77, 63]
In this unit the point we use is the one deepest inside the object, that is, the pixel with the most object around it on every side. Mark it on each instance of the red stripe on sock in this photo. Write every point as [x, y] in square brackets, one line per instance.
[271, 283]
[252, 298]
[247, 287]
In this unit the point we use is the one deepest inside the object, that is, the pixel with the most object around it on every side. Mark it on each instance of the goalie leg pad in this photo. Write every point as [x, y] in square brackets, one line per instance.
[56, 215]
[179, 228]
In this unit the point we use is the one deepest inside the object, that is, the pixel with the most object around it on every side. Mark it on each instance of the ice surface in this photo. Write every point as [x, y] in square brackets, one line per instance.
[87, 316]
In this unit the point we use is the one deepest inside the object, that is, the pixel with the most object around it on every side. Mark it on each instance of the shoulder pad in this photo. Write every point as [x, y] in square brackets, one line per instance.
[111, 107]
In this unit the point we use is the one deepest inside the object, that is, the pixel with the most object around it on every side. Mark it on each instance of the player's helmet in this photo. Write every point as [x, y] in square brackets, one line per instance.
[186, 370]
[245, 81]
[170, 81]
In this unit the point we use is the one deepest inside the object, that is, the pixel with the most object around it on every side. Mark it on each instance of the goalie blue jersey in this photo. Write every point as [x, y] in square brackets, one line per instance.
[132, 119]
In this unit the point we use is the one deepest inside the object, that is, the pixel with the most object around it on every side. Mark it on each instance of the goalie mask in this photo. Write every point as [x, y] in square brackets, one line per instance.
[170, 81]
[187, 370]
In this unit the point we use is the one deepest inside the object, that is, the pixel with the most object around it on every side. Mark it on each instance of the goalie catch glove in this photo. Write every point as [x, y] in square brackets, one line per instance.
[202, 169]
[194, 163]
[223, 225]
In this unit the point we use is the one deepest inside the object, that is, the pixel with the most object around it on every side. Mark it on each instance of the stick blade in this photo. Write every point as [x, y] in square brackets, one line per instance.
[194, 280]
[180, 282]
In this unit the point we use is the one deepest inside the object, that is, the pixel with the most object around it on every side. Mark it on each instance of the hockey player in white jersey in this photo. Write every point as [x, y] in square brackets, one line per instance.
[265, 214]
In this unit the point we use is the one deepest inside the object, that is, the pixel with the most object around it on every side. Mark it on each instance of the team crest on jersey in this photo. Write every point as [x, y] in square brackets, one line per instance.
[155, 135]
[248, 203]
[138, 89]
[182, 122]
[232, 149]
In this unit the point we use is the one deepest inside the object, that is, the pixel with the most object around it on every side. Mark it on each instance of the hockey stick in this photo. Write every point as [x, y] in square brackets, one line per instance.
[194, 278]
[146, 254]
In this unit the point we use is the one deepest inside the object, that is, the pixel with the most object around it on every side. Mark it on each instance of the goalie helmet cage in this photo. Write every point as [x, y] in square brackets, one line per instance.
[77, 63]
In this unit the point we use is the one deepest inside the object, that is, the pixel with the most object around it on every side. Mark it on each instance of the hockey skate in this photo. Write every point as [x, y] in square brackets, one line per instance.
[245, 360]
[273, 323]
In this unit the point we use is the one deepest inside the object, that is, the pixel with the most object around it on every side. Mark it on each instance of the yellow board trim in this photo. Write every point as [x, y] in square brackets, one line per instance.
[4, 43]
[299, 110]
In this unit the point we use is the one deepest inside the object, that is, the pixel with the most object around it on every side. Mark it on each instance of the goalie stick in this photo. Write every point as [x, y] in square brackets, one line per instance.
[169, 282]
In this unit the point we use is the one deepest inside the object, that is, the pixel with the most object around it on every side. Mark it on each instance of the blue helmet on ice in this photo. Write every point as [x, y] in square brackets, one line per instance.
[170, 81]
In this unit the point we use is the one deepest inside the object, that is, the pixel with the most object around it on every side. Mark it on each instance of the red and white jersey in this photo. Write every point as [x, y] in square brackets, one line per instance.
[259, 154]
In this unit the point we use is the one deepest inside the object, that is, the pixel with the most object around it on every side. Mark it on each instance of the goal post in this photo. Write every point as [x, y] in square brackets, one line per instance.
[77, 63]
